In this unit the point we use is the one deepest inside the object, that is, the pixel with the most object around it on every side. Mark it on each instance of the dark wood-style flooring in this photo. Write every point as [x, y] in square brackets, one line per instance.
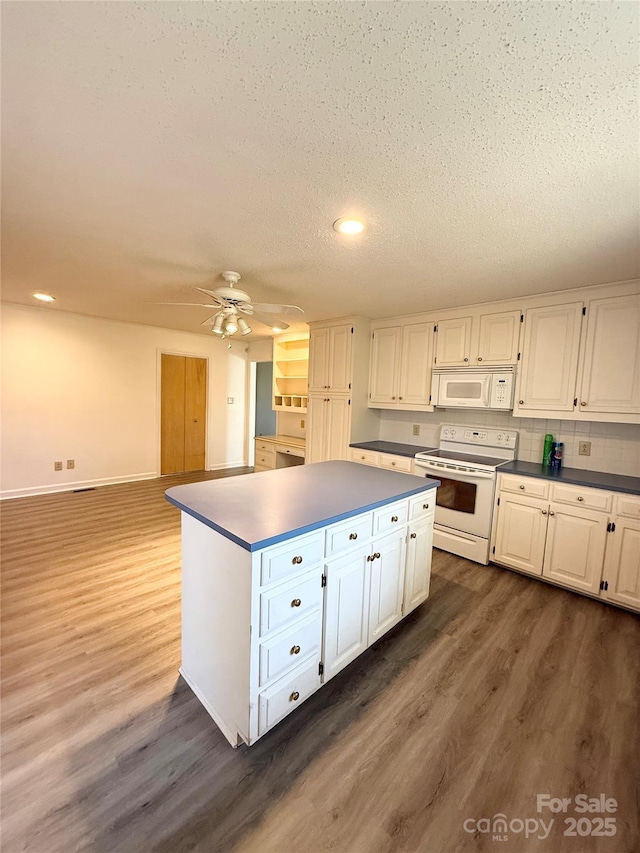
[497, 689]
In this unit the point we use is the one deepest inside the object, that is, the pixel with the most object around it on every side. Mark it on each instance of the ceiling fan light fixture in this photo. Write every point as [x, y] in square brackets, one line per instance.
[230, 327]
[217, 324]
[245, 328]
[348, 225]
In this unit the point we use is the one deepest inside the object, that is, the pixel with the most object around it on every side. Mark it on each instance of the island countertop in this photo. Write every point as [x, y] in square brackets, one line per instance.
[258, 510]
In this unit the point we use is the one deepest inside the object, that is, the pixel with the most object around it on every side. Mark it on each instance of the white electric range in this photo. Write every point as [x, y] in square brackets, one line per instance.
[466, 463]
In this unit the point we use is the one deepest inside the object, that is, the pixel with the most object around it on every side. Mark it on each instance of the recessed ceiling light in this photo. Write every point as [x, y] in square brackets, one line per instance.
[44, 297]
[281, 327]
[348, 226]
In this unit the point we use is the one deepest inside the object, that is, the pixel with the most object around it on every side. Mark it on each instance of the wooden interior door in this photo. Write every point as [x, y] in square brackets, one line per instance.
[183, 402]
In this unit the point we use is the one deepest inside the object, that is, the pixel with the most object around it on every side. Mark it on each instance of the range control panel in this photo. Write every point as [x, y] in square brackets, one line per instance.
[480, 437]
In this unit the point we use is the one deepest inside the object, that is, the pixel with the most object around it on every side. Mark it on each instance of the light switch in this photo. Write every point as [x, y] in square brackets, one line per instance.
[230, 401]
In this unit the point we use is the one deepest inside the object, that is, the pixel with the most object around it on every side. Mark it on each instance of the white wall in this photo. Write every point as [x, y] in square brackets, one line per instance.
[88, 389]
[614, 447]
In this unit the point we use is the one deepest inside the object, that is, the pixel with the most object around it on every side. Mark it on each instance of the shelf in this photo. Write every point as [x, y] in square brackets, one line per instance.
[290, 402]
[290, 372]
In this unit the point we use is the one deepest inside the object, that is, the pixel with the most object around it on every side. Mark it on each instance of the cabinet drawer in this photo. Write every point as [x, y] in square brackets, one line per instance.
[524, 486]
[291, 557]
[290, 601]
[582, 496]
[264, 446]
[277, 701]
[266, 461]
[347, 534]
[390, 516]
[628, 505]
[291, 450]
[423, 506]
[286, 650]
[397, 463]
[366, 457]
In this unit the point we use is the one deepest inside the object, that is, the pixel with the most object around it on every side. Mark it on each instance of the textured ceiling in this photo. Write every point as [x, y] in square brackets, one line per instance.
[492, 149]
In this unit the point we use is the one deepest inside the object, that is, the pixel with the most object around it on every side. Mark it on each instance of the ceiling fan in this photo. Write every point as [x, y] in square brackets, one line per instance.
[230, 303]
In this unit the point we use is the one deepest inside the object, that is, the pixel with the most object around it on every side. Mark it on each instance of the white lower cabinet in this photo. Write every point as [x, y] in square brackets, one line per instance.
[583, 538]
[574, 552]
[263, 630]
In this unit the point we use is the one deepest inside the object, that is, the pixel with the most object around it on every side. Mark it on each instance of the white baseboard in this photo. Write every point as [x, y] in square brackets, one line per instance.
[226, 465]
[8, 494]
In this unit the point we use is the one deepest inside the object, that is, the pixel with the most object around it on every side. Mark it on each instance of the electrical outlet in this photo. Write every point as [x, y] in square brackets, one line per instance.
[71, 463]
[57, 466]
[416, 429]
[584, 448]
[302, 423]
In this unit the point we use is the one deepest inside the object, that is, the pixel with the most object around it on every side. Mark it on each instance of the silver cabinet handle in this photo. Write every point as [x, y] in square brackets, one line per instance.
[544, 512]
[425, 506]
[412, 535]
[296, 602]
[353, 536]
[522, 487]
[580, 498]
[551, 512]
[394, 518]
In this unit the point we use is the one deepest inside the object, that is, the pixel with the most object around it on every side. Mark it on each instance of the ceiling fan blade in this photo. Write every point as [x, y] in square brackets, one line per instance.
[282, 310]
[196, 304]
[209, 321]
[270, 322]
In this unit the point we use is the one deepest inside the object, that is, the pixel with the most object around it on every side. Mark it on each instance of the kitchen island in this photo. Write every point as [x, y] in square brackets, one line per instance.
[289, 575]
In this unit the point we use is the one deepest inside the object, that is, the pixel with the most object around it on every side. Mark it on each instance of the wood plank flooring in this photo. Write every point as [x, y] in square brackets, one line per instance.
[497, 689]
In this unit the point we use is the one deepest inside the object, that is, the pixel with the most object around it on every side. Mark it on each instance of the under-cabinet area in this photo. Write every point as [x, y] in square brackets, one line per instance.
[288, 576]
[278, 451]
[583, 538]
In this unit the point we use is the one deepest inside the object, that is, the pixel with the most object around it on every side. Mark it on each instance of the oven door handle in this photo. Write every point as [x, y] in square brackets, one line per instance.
[443, 470]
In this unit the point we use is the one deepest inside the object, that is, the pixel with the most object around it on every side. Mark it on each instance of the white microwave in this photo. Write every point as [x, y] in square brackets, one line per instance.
[473, 388]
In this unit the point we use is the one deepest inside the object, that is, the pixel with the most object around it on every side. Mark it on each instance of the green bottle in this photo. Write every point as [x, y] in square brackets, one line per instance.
[548, 447]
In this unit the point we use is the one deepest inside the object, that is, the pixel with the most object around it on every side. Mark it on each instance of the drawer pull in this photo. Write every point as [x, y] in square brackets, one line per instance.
[393, 463]
[294, 696]
[425, 506]
[296, 602]
[522, 487]
[580, 498]
[353, 536]
[412, 536]
[394, 518]
[362, 457]
[295, 650]
[296, 561]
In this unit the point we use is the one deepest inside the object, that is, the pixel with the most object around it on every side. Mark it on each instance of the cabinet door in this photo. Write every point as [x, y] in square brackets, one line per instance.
[387, 583]
[498, 338]
[611, 365]
[415, 365]
[549, 358]
[520, 533]
[319, 359]
[337, 428]
[346, 610]
[417, 575]
[453, 342]
[385, 356]
[317, 412]
[339, 379]
[622, 563]
[574, 555]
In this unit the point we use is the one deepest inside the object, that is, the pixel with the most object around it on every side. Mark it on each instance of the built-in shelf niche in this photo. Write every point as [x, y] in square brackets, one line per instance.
[290, 372]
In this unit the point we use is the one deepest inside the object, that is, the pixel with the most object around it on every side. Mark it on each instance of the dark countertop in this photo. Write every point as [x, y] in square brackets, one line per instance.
[257, 510]
[391, 447]
[574, 476]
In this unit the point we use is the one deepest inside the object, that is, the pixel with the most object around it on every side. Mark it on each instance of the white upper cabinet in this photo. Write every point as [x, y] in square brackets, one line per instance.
[400, 367]
[453, 342]
[498, 338]
[330, 365]
[610, 375]
[549, 366]
[477, 340]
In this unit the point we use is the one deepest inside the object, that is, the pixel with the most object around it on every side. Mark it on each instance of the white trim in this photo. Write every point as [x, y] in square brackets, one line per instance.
[79, 484]
[224, 465]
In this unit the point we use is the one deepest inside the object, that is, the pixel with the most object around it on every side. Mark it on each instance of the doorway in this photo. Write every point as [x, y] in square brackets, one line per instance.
[265, 422]
[183, 408]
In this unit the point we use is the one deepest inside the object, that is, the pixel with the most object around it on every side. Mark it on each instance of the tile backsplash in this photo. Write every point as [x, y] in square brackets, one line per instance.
[614, 447]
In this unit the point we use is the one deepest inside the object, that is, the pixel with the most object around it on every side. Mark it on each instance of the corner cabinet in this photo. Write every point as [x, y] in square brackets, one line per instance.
[263, 630]
[582, 538]
[400, 371]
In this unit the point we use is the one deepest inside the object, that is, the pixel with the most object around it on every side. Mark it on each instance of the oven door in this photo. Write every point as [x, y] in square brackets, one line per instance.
[464, 500]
